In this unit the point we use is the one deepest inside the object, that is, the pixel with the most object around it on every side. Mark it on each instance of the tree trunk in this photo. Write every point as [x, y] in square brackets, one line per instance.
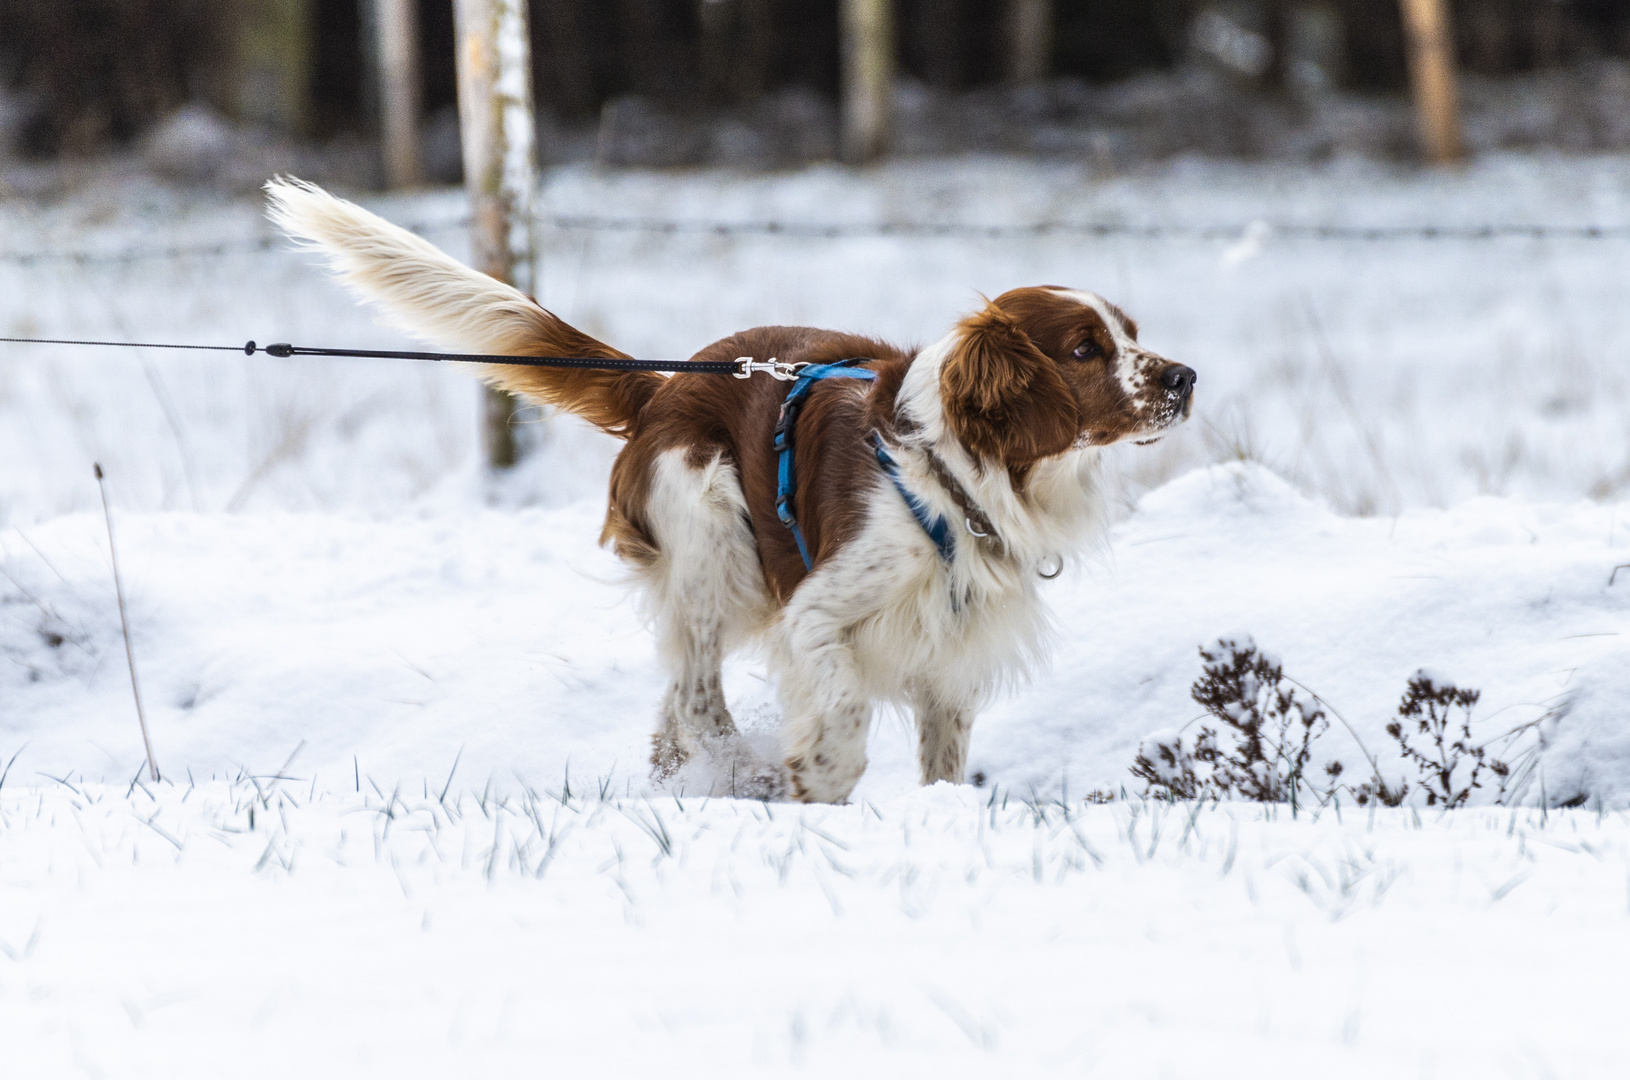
[497, 128]
[1429, 39]
[272, 83]
[867, 31]
[1029, 41]
[396, 24]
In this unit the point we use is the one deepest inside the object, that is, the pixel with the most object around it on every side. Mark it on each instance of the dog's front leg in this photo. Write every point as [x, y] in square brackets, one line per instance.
[943, 731]
[827, 712]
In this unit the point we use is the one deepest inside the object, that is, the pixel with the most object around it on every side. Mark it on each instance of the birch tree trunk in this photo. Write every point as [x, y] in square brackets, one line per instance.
[867, 31]
[497, 129]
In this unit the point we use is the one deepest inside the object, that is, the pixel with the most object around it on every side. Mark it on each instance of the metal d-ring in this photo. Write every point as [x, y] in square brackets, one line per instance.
[1045, 576]
[968, 521]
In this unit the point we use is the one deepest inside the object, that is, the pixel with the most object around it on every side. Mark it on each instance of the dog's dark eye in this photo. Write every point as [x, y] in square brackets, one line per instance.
[1087, 350]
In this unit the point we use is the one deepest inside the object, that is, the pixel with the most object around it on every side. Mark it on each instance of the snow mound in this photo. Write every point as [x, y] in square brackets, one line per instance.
[1242, 489]
[504, 641]
[1586, 748]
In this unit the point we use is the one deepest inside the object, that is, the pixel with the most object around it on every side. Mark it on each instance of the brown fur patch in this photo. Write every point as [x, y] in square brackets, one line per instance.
[630, 541]
[707, 414]
[1004, 399]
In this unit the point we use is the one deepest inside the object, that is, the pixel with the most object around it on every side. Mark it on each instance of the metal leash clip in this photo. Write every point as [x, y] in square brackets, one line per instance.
[746, 365]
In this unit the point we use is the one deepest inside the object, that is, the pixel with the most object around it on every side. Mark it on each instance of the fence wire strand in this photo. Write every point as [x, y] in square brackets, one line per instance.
[885, 229]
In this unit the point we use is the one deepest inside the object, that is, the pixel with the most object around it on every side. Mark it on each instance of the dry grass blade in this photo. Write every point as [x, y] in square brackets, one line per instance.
[27, 950]
[152, 824]
[7, 770]
[124, 624]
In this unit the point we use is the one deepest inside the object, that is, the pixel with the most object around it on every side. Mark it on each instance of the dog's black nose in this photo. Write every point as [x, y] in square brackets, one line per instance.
[1178, 379]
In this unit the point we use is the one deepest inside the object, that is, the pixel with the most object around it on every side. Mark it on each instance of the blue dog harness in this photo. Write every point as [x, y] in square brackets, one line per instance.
[938, 530]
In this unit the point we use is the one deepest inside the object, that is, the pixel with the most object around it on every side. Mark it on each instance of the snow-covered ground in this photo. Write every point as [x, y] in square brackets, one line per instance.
[1406, 453]
[503, 639]
[166, 931]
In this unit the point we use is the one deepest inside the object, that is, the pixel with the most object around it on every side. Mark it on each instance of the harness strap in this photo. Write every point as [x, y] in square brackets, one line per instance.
[937, 528]
[786, 485]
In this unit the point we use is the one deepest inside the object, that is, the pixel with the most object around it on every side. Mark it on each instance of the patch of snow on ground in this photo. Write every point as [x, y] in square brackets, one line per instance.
[393, 647]
[168, 930]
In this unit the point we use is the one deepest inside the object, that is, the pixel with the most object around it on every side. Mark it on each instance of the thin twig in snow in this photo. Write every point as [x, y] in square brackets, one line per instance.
[124, 623]
[7, 770]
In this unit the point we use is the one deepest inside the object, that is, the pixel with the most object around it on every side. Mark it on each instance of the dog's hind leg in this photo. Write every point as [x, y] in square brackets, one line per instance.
[707, 592]
[693, 707]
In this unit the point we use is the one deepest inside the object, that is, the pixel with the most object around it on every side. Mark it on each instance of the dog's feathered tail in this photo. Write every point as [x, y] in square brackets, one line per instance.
[433, 296]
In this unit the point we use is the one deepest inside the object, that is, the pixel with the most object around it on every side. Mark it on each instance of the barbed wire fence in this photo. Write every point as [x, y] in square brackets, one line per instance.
[956, 230]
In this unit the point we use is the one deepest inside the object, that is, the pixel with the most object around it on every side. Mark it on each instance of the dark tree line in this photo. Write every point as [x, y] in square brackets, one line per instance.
[84, 73]
[88, 73]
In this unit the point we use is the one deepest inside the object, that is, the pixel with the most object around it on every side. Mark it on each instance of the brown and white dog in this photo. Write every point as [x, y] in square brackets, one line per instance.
[996, 427]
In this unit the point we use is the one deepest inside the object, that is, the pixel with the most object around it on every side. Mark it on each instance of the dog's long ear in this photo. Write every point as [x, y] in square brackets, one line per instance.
[1004, 398]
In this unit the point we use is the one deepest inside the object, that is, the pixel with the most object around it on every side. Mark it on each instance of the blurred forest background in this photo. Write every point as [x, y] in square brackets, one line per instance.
[194, 85]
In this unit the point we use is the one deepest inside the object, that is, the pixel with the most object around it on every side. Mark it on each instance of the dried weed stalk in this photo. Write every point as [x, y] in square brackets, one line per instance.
[1428, 707]
[1260, 743]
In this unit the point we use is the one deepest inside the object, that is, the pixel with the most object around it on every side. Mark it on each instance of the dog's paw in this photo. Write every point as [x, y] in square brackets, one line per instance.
[667, 757]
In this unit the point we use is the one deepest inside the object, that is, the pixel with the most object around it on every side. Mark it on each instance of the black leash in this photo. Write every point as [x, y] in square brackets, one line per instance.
[742, 367]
